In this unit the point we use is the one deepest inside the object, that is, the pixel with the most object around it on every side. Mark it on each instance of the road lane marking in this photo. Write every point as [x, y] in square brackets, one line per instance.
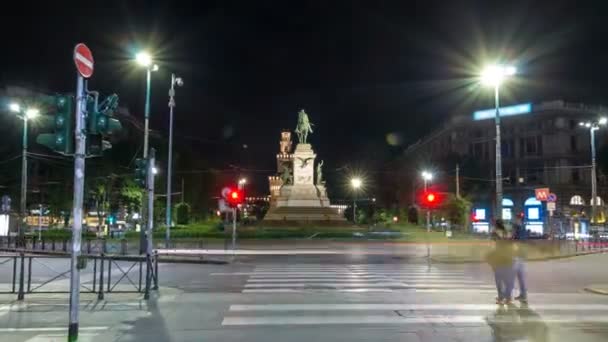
[405, 307]
[358, 290]
[33, 329]
[353, 284]
[395, 319]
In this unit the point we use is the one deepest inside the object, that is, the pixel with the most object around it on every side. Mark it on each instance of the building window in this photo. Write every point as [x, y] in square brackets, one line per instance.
[531, 146]
[576, 176]
[539, 145]
[573, 124]
[506, 147]
[478, 150]
[577, 200]
[573, 146]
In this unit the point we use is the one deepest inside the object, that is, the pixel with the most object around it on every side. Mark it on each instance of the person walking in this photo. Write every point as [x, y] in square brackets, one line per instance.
[521, 235]
[501, 261]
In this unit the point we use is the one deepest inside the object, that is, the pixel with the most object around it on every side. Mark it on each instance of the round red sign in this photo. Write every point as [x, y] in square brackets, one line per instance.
[83, 58]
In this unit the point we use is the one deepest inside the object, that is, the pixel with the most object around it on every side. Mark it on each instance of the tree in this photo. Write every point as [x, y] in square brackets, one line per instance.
[457, 210]
[131, 194]
[182, 213]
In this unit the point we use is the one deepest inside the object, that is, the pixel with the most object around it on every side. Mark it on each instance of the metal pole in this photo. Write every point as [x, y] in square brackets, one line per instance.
[355, 208]
[79, 164]
[182, 189]
[142, 235]
[498, 156]
[233, 230]
[150, 221]
[170, 163]
[40, 222]
[428, 211]
[23, 207]
[457, 181]
[147, 112]
[593, 175]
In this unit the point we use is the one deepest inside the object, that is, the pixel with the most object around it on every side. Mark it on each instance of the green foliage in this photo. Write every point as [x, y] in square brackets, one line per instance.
[457, 210]
[131, 193]
[64, 234]
[182, 213]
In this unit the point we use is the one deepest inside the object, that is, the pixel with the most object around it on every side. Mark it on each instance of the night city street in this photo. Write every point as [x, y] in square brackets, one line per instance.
[304, 171]
[312, 297]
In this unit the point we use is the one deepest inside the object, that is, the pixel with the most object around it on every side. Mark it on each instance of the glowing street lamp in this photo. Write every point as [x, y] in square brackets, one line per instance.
[145, 59]
[593, 126]
[427, 177]
[25, 115]
[356, 183]
[494, 76]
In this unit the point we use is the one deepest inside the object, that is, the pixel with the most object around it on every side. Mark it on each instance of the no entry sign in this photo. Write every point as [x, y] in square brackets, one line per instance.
[83, 59]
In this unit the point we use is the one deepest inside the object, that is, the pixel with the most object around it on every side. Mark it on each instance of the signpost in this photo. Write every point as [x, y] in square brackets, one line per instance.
[541, 194]
[83, 59]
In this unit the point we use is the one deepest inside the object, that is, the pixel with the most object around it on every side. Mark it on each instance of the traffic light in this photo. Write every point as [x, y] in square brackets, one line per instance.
[100, 120]
[431, 199]
[101, 124]
[141, 171]
[62, 140]
[235, 197]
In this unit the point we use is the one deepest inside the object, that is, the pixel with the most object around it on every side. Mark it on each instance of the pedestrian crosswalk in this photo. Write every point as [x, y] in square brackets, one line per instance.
[330, 295]
[358, 278]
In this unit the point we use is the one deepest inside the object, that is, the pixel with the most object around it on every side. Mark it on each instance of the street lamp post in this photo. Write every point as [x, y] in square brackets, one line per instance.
[144, 59]
[29, 113]
[427, 177]
[494, 75]
[356, 184]
[174, 81]
[593, 126]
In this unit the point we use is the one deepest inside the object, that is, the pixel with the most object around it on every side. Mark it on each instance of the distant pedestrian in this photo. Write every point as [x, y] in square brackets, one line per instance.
[501, 261]
[519, 260]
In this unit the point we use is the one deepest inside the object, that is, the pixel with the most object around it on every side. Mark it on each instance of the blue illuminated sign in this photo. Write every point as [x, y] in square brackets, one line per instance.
[519, 109]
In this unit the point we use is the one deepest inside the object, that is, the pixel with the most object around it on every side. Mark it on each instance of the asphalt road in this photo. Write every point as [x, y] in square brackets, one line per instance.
[327, 298]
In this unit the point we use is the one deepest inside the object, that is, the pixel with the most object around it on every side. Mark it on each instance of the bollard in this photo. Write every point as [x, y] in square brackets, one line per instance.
[14, 273]
[100, 295]
[123, 247]
[104, 247]
[109, 273]
[155, 271]
[43, 242]
[53, 245]
[29, 274]
[21, 295]
[65, 245]
[89, 246]
[34, 243]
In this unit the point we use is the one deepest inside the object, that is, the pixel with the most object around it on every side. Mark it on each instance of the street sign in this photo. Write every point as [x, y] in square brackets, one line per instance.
[83, 59]
[552, 198]
[541, 193]
[551, 206]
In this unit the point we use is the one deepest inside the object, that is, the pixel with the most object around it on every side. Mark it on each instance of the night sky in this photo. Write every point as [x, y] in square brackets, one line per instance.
[361, 69]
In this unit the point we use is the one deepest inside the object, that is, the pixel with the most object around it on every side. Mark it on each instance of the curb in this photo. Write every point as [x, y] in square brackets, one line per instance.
[439, 261]
[596, 291]
[192, 261]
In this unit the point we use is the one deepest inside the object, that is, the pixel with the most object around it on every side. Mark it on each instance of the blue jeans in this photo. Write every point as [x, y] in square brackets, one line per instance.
[520, 272]
[505, 281]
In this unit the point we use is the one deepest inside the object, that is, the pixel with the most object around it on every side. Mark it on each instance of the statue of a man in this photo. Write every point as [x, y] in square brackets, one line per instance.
[320, 173]
[304, 127]
[286, 176]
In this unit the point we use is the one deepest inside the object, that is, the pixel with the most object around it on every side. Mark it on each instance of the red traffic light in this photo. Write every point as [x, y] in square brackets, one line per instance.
[234, 197]
[431, 199]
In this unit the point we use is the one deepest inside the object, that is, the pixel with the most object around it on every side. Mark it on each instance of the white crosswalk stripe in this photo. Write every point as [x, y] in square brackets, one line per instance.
[356, 278]
[367, 280]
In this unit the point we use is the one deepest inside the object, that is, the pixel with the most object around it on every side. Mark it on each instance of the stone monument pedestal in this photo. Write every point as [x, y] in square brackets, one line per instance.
[303, 200]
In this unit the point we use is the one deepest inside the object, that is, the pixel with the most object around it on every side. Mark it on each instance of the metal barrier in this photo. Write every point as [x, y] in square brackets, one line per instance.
[31, 273]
